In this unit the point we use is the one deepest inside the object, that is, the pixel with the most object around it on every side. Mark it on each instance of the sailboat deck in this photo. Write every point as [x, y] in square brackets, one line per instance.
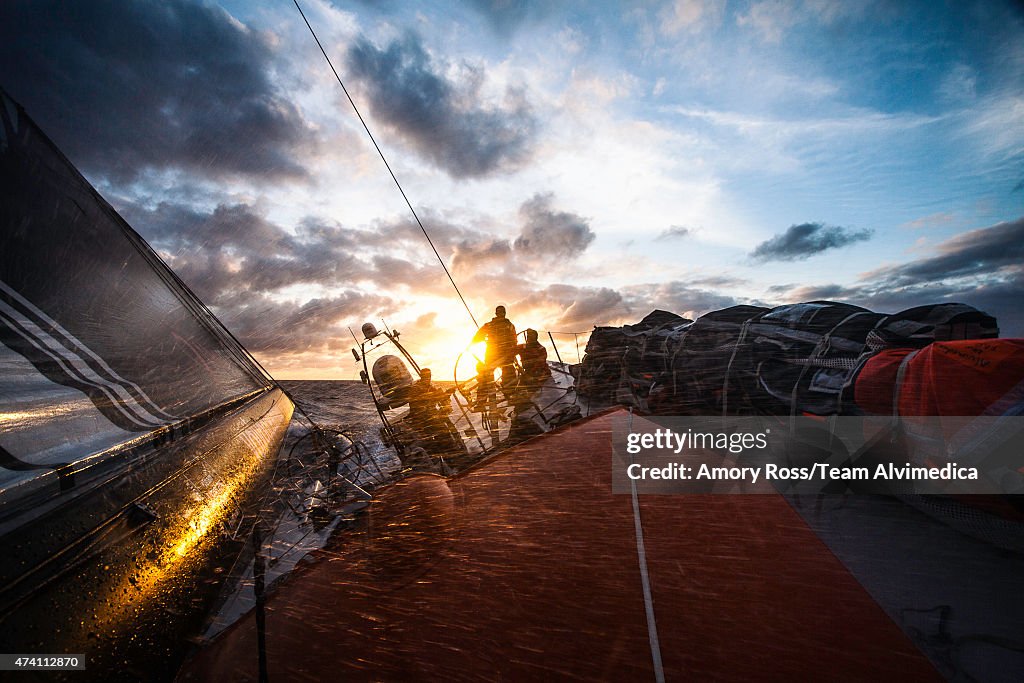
[528, 566]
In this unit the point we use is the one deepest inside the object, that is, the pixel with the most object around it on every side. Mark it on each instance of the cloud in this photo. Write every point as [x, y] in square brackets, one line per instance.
[290, 294]
[718, 281]
[126, 86]
[546, 236]
[266, 326]
[589, 305]
[982, 268]
[551, 234]
[505, 16]
[793, 293]
[484, 253]
[772, 19]
[442, 118]
[284, 291]
[569, 308]
[674, 232]
[690, 15]
[980, 252]
[993, 124]
[960, 84]
[931, 221]
[805, 240]
[235, 248]
[999, 297]
[679, 297]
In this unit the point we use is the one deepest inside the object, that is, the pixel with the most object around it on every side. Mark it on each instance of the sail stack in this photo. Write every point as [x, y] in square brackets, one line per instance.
[134, 428]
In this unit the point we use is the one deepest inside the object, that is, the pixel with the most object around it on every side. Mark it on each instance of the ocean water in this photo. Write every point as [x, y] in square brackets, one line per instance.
[340, 404]
[310, 500]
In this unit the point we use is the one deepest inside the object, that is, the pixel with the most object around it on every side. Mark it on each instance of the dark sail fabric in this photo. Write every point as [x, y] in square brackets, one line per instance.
[100, 343]
[795, 359]
[621, 362]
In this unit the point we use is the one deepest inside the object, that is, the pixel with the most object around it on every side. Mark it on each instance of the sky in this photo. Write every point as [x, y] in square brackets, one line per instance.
[580, 163]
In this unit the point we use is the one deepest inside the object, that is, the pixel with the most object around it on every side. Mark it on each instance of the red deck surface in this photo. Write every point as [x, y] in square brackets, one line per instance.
[527, 567]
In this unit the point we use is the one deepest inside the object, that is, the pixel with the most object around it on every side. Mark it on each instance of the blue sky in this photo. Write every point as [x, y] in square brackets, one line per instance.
[582, 163]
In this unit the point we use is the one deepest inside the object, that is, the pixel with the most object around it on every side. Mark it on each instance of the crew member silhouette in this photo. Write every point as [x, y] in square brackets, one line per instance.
[534, 359]
[424, 401]
[500, 335]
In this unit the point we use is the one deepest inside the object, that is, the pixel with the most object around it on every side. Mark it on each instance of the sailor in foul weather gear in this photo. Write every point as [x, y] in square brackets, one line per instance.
[486, 401]
[500, 335]
[485, 390]
[534, 359]
[425, 400]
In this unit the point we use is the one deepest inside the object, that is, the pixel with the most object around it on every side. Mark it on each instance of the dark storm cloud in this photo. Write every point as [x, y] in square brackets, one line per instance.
[805, 240]
[422, 278]
[548, 233]
[1000, 298]
[248, 269]
[977, 252]
[264, 325]
[125, 85]
[674, 232]
[240, 263]
[983, 268]
[441, 118]
[234, 248]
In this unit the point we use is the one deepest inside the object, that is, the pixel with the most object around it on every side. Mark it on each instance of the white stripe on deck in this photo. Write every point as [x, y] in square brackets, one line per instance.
[645, 581]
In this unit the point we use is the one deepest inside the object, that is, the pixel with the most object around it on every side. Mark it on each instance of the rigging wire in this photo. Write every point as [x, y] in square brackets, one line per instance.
[381, 153]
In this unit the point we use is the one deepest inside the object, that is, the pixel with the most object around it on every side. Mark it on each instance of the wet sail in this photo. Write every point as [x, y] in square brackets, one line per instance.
[102, 343]
[135, 432]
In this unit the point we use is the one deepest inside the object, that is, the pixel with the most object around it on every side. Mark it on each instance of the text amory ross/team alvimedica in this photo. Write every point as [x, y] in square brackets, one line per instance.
[819, 471]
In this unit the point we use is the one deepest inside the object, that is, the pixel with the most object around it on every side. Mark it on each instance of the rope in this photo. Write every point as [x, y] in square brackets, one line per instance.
[393, 176]
[576, 338]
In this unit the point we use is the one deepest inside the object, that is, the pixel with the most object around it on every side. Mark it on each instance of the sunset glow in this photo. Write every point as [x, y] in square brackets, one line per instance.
[580, 163]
